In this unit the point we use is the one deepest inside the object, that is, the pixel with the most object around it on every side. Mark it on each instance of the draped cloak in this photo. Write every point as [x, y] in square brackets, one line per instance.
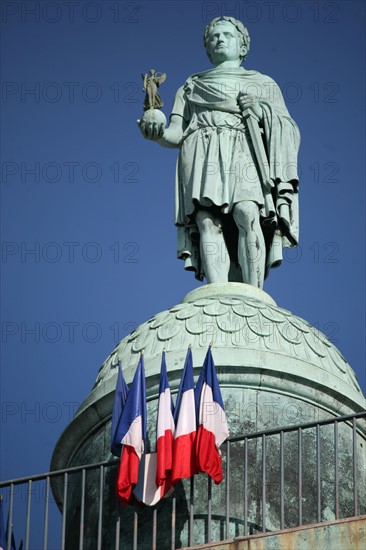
[217, 166]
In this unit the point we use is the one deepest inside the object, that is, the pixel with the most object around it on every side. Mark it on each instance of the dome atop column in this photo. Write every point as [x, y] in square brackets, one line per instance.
[259, 348]
[247, 329]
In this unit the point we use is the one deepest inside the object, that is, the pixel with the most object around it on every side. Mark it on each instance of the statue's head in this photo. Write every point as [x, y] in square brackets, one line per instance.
[241, 32]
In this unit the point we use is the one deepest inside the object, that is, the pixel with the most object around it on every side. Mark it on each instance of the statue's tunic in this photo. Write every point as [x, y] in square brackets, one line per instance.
[217, 166]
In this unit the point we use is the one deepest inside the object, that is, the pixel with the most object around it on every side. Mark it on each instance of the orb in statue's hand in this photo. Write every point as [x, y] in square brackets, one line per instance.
[152, 124]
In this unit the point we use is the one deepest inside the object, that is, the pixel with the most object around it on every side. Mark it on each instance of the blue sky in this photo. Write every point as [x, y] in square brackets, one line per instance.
[94, 201]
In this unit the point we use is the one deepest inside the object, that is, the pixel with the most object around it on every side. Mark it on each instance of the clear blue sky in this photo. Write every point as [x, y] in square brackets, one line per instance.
[98, 208]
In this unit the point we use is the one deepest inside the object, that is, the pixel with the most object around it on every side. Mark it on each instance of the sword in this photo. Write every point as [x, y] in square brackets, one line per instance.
[252, 122]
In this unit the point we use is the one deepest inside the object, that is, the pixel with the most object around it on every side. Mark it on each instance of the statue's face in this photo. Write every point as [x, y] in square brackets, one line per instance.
[224, 43]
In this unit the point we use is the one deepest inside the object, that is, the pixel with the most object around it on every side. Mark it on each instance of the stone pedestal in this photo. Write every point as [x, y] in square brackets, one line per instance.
[274, 369]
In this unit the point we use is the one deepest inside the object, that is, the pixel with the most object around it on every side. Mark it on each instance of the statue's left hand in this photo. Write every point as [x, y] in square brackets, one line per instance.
[248, 101]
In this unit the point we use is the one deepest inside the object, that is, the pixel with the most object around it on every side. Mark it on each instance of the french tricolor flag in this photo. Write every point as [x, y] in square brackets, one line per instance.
[164, 432]
[120, 398]
[132, 431]
[184, 457]
[212, 425]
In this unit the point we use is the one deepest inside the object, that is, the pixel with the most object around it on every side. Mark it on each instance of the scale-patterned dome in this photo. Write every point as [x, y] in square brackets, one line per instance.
[247, 330]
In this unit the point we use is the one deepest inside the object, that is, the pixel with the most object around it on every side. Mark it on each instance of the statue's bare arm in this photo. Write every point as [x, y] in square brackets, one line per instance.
[166, 137]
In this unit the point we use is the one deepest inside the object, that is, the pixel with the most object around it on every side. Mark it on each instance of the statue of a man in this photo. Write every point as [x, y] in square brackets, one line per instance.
[232, 221]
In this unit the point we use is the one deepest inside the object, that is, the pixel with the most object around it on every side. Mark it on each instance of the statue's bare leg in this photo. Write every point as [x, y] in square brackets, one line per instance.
[251, 245]
[214, 254]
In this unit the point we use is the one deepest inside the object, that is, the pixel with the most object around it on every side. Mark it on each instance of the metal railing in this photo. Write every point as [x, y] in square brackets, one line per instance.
[273, 479]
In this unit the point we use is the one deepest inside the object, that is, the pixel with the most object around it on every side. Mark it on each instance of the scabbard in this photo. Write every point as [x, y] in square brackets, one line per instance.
[252, 123]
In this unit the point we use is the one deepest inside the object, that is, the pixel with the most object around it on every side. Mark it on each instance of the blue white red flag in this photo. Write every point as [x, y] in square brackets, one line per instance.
[132, 430]
[165, 430]
[120, 397]
[184, 457]
[212, 424]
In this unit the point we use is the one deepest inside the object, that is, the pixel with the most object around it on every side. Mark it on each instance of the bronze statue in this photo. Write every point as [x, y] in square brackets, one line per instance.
[151, 85]
[236, 178]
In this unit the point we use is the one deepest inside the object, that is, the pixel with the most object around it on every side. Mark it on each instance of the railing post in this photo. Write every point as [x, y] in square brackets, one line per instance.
[299, 486]
[155, 520]
[27, 530]
[318, 475]
[82, 510]
[264, 496]
[245, 486]
[227, 488]
[64, 511]
[10, 522]
[209, 508]
[282, 482]
[46, 501]
[354, 465]
[135, 528]
[174, 502]
[118, 529]
[100, 510]
[336, 470]
[191, 511]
